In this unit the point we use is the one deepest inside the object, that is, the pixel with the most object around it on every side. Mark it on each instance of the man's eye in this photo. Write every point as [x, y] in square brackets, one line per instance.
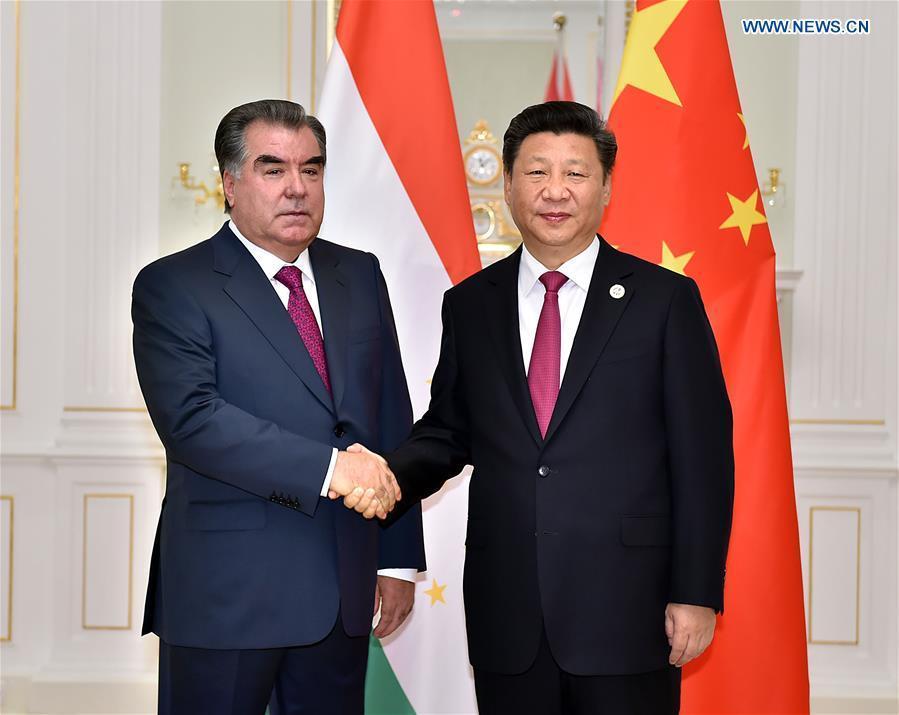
[273, 172]
[536, 172]
[311, 172]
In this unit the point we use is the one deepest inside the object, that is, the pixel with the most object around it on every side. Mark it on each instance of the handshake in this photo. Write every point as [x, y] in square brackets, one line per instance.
[365, 482]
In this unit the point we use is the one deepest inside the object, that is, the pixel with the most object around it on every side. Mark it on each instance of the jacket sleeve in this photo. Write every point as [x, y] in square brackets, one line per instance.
[699, 429]
[438, 447]
[402, 543]
[176, 367]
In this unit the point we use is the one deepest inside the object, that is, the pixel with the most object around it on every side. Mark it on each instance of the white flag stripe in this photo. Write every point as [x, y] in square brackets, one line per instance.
[368, 208]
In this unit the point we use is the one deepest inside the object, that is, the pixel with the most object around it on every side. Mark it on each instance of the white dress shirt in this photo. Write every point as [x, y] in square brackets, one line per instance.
[572, 296]
[270, 265]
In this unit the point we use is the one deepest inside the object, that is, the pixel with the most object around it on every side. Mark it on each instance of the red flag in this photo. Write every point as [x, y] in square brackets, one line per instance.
[559, 85]
[685, 195]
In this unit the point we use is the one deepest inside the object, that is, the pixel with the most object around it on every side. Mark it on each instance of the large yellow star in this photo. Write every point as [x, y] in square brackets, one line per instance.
[675, 263]
[744, 215]
[436, 592]
[640, 65]
[745, 138]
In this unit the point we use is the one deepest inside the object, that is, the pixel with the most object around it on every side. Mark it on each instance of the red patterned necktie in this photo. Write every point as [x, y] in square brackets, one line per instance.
[543, 373]
[301, 313]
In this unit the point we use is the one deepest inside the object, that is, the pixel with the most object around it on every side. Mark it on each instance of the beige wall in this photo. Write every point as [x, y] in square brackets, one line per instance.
[215, 56]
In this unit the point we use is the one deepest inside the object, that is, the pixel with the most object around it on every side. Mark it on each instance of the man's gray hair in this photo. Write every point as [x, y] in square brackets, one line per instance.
[231, 136]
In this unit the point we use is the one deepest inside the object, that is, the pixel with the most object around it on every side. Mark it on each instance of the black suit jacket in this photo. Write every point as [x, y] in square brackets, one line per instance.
[247, 554]
[626, 504]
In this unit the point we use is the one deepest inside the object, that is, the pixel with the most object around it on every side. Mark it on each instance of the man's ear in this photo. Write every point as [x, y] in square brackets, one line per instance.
[507, 187]
[228, 186]
[607, 191]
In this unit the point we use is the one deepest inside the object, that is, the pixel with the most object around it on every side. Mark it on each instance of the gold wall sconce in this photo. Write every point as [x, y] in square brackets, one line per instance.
[774, 190]
[203, 192]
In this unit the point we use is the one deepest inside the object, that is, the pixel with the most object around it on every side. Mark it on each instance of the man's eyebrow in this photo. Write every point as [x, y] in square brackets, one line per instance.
[271, 159]
[268, 159]
[574, 161]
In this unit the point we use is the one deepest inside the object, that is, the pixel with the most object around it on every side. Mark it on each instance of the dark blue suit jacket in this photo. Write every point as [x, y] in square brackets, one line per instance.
[247, 554]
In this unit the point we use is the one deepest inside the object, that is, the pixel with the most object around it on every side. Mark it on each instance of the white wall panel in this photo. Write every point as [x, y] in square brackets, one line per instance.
[834, 580]
[7, 536]
[843, 382]
[843, 387]
[847, 521]
[9, 199]
[107, 570]
[112, 127]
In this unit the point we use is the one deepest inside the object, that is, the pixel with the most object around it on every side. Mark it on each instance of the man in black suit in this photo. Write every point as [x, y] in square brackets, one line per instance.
[584, 386]
[263, 353]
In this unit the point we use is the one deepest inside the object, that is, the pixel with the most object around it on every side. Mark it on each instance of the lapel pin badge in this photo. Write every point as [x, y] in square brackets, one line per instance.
[617, 291]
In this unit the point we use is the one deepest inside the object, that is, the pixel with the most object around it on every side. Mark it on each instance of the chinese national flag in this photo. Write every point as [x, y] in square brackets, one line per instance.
[685, 195]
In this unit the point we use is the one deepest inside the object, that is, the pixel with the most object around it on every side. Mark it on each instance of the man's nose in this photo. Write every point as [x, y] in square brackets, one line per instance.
[295, 185]
[555, 188]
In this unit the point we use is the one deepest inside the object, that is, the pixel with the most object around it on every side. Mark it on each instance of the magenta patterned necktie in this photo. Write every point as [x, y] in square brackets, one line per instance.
[543, 373]
[302, 316]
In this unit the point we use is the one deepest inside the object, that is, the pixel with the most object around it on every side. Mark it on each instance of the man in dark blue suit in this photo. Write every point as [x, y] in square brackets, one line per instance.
[262, 354]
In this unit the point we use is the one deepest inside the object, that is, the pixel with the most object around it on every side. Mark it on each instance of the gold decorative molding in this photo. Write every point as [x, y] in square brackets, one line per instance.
[481, 134]
[333, 12]
[858, 570]
[6, 637]
[15, 212]
[79, 408]
[84, 623]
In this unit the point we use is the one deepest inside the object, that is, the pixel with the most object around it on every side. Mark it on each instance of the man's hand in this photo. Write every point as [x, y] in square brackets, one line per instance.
[365, 481]
[690, 630]
[394, 597]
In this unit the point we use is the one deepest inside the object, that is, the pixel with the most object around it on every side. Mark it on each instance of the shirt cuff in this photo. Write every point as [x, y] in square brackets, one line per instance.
[330, 473]
[401, 574]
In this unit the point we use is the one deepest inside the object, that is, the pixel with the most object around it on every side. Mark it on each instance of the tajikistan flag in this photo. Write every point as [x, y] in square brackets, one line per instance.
[395, 186]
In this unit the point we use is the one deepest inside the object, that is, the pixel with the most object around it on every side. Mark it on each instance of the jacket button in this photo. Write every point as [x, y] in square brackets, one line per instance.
[543, 471]
[339, 431]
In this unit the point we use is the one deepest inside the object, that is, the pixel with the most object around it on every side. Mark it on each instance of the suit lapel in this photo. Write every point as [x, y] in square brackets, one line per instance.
[506, 335]
[333, 302]
[249, 288]
[598, 321]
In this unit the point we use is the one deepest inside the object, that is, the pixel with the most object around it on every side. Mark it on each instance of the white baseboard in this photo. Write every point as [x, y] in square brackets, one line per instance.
[57, 697]
[853, 706]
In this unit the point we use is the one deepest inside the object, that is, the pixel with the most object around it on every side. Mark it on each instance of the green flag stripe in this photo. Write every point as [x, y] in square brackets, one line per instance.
[383, 693]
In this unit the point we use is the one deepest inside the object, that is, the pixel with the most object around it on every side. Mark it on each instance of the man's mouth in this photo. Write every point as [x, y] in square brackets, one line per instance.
[554, 216]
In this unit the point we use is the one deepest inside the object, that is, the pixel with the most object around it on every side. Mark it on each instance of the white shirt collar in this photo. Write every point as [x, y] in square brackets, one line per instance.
[269, 262]
[578, 269]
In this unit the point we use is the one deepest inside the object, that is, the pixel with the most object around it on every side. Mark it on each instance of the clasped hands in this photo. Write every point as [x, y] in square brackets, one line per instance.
[365, 482]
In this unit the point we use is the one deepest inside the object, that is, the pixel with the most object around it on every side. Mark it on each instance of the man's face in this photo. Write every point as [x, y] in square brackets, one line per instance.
[556, 193]
[278, 200]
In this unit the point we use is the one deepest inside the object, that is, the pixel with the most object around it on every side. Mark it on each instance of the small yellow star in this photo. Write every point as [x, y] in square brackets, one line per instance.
[436, 592]
[744, 215]
[746, 138]
[641, 66]
[675, 263]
